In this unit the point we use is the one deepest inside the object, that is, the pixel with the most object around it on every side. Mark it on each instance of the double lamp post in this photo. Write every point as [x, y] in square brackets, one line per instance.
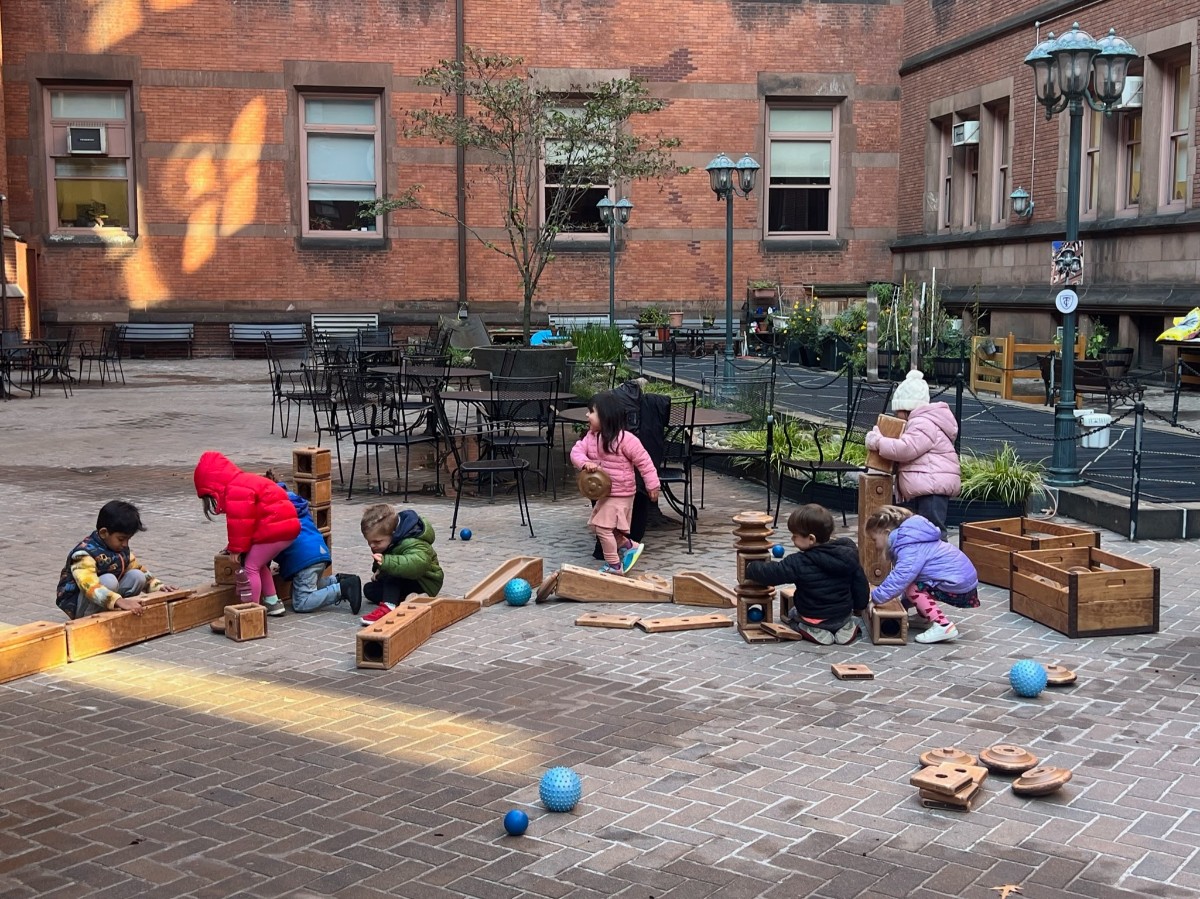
[613, 215]
[728, 178]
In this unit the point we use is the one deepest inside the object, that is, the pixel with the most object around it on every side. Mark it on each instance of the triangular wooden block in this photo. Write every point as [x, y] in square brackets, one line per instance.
[685, 623]
[599, 619]
[586, 585]
[490, 590]
[695, 588]
[446, 610]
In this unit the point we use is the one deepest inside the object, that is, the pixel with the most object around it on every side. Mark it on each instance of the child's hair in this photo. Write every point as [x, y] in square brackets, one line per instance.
[887, 519]
[269, 474]
[119, 517]
[379, 518]
[611, 413]
[811, 521]
[209, 504]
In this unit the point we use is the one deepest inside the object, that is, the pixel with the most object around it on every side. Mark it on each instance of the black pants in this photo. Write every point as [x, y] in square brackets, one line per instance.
[637, 522]
[390, 589]
[935, 508]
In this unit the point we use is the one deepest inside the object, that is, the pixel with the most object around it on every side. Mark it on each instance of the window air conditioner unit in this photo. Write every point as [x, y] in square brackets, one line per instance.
[1131, 96]
[86, 140]
[966, 133]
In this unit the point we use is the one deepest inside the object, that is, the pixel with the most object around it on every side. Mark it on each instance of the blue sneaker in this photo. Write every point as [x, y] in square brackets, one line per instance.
[609, 569]
[630, 556]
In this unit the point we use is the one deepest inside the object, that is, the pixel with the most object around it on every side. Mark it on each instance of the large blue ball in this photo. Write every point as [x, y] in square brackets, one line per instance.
[777, 550]
[560, 789]
[516, 823]
[1028, 678]
[465, 533]
[517, 592]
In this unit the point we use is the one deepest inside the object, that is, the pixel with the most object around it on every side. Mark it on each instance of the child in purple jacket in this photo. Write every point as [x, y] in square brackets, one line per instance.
[925, 570]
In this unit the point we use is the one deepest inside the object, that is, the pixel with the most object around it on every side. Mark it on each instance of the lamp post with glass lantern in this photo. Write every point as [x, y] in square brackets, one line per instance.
[614, 215]
[728, 178]
[1062, 68]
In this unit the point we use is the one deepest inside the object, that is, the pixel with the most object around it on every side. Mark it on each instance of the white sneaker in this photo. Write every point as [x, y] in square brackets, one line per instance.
[938, 633]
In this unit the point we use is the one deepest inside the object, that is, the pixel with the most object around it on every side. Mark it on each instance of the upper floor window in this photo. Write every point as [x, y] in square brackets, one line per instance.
[801, 184]
[572, 178]
[1177, 128]
[945, 174]
[1002, 154]
[1131, 160]
[1089, 185]
[339, 163]
[89, 163]
[971, 188]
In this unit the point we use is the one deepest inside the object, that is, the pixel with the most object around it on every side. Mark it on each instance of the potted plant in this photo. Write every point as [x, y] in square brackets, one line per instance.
[763, 290]
[843, 336]
[801, 323]
[708, 315]
[676, 318]
[951, 351]
[996, 485]
[654, 318]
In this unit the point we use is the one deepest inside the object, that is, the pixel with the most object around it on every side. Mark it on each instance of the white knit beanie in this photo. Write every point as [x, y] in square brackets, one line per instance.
[911, 393]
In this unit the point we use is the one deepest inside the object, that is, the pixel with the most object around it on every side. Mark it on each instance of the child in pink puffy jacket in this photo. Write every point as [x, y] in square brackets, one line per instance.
[928, 473]
[608, 447]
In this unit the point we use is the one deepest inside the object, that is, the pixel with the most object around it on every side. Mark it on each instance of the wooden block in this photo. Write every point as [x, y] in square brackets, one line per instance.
[318, 493]
[695, 588]
[205, 604]
[599, 619]
[684, 623]
[586, 585]
[888, 623]
[312, 463]
[874, 491]
[384, 643]
[756, 600]
[990, 544]
[962, 800]
[889, 426]
[755, 634]
[845, 671]
[787, 598]
[977, 773]
[446, 610]
[779, 631]
[225, 568]
[546, 590]
[106, 631]
[245, 621]
[31, 648]
[322, 517]
[490, 590]
[942, 779]
[163, 596]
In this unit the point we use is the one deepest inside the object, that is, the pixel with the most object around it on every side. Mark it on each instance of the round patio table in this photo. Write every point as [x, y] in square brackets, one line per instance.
[705, 418]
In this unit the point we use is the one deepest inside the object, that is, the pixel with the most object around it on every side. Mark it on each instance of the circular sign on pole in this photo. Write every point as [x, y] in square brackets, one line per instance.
[1066, 301]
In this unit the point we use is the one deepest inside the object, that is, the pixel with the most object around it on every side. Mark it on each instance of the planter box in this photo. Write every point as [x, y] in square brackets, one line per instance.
[1085, 592]
[990, 544]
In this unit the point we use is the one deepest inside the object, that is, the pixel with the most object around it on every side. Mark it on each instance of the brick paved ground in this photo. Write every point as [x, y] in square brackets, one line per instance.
[192, 766]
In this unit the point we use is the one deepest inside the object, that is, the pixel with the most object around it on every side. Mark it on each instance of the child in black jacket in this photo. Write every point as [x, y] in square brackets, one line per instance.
[831, 587]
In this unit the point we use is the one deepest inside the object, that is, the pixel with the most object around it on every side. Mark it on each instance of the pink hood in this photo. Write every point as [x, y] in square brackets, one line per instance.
[925, 451]
[620, 466]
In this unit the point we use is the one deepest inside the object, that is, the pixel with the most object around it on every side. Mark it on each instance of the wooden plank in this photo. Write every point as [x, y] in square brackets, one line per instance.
[963, 799]
[1128, 615]
[205, 604]
[106, 631]
[245, 621]
[779, 631]
[874, 491]
[586, 585]
[1042, 591]
[684, 623]
[599, 619]
[1043, 614]
[755, 634]
[382, 644]
[163, 596]
[446, 610]
[942, 779]
[848, 671]
[31, 648]
[490, 590]
[695, 588]
[889, 426]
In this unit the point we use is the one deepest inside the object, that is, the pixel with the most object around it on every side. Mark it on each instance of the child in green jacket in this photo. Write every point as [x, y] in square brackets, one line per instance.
[405, 561]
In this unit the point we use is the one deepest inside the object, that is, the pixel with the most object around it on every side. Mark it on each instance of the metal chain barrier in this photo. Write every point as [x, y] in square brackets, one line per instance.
[1173, 424]
[1042, 438]
[837, 376]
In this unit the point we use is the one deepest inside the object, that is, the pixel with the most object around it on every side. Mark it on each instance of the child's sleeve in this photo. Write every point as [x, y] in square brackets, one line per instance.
[579, 455]
[912, 444]
[904, 571]
[153, 584]
[633, 450]
[860, 590]
[413, 562]
[83, 570]
[773, 574]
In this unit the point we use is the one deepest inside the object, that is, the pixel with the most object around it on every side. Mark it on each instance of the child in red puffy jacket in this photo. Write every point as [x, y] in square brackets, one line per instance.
[260, 519]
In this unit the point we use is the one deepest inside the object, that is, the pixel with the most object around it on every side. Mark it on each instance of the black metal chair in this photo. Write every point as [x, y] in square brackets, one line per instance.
[372, 422]
[105, 354]
[749, 388]
[523, 414]
[675, 472]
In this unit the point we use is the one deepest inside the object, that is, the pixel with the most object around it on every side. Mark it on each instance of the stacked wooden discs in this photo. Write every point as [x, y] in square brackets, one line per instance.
[752, 542]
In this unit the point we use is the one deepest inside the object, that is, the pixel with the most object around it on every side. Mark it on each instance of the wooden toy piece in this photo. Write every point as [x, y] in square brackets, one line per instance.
[547, 589]
[205, 604]
[888, 623]
[160, 597]
[695, 588]
[977, 773]
[490, 590]
[446, 610]
[779, 631]
[586, 585]
[382, 644]
[889, 426]
[312, 463]
[318, 493]
[947, 755]
[1058, 676]
[106, 631]
[944, 779]
[1004, 758]
[1040, 781]
[746, 603]
[283, 589]
[322, 517]
[217, 625]
[225, 568]
[874, 491]
[990, 544]
[684, 623]
[752, 543]
[599, 619]
[31, 648]
[787, 598]
[846, 671]
[963, 799]
[245, 621]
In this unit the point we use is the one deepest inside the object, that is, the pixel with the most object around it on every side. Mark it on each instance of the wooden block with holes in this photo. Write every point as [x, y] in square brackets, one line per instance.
[889, 426]
[586, 585]
[874, 491]
[490, 590]
[888, 623]
[684, 623]
[322, 517]
[31, 648]
[205, 604]
[963, 799]
[787, 598]
[312, 463]
[942, 779]
[695, 588]
[779, 631]
[382, 644]
[848, 671]
[600, 619]
[106, 631]
[446, 610]
[245, 621]
[318, 493]
[1084, 591]
[990, 544]
[225, 568]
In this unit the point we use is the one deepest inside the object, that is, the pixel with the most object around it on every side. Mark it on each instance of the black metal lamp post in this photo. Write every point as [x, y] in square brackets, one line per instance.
[1062, 68]
[728, 178]
[614, 215]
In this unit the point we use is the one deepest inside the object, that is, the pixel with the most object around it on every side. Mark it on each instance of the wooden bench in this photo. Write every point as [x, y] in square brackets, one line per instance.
[564, 322]
[343, 325]
[1093, 377]
[291, 336]
[145, 333]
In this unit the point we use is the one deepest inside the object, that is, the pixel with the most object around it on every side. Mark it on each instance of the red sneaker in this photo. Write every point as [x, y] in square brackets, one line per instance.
[385, 609]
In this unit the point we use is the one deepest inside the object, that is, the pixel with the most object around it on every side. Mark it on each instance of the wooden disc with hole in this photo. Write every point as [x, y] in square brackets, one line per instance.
[217, 625]
[1058, 676]
[594, 485]
[946, 755]
[1040, 781]
[1004, 758]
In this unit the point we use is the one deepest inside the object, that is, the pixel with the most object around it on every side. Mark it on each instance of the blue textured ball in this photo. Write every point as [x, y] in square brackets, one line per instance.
[517, 592]
[560, 789]
[465, 533]
[777, 550]
[1028, 678]
[516, 823]
[755, 614]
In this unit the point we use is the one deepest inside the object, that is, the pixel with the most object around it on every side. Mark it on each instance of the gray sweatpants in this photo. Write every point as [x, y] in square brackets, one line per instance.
[131, 584]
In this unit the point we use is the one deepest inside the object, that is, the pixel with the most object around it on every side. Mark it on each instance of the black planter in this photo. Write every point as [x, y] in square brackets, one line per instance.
[981, 510]
[792, 352]
[525, 362]
[944, 369]
[835, 351]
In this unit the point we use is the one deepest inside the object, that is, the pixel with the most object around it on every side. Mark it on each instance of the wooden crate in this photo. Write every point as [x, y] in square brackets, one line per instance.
[317, 493]
[245, 621]
[990, 544]
[106, 631]
[1085, 592]
[31, 648]
[312, 463]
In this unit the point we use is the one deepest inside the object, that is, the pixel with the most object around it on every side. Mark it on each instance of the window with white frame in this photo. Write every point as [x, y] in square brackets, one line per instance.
[572, 176]
[800, 176]
[971, 188]
[1177, 126]
[90, 161]
[1089, 193]
[1131, 160]
[1002, 154]
[340, 163]
[945, 173]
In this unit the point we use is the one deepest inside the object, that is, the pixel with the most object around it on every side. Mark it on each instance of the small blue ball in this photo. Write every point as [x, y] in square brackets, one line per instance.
[517, 592]
[465, 533]
[777, 550]
[560, 789]
[1028, 678]
[755, 614]
[516, 823]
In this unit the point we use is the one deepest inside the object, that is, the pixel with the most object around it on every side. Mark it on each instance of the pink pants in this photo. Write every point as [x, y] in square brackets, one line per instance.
[925, 604]
[258, 568]
[611, 541]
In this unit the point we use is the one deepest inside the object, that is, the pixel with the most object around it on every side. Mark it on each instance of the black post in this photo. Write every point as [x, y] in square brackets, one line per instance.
[612, 271]
[849, 394]
[958, 401]
[1178, 382]
[729, 286]
[1135, 491]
